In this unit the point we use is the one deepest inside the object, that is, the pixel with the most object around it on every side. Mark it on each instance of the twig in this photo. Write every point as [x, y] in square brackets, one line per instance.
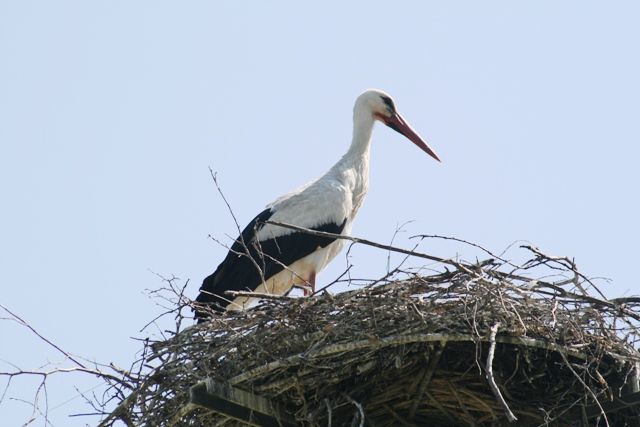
[370, 243]
[466, 242]
[25, 324]
[433, 363]
[261, 295]
[359, 406]
[442, 409]
[572, 266]
[489, 369]
[398, 418]
[95, 372]
[329, 411]
[470, 418]
[586, 387]
[214, 176]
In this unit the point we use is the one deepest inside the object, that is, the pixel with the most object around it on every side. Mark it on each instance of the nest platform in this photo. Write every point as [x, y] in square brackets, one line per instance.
[481, 344]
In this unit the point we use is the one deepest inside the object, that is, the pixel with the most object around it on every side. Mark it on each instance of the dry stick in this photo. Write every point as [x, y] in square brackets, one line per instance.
[593, 395]
[398, 418]
[426, 380]
[260, 295]
[255, 264]
[391, 243]
[67, 370]
[247, 253]
[461, 403]
[442, 409]
[481, 403]
[23, 323]
[370, 243]
[455, 239]
[214, 176]
[572, 266]
[359, 406]
[326, 402]
[571, 296]
[492, 381]
[335, 281]
[121, 409]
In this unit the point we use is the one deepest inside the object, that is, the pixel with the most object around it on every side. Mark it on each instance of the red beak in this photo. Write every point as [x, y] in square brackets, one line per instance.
[397, 123]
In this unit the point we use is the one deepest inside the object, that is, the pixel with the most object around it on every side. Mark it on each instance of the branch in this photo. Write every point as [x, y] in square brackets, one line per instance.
[25, 324]
[95, 372]
[370, 243]
[489, 369]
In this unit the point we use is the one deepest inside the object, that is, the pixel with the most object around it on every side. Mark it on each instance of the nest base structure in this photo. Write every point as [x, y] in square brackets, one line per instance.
[471, 346]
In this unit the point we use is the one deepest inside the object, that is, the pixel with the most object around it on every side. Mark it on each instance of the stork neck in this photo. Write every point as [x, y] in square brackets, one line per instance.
[361, 142]
[353, 168]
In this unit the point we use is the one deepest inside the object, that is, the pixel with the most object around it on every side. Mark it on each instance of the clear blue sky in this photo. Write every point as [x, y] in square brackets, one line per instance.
[112, 113]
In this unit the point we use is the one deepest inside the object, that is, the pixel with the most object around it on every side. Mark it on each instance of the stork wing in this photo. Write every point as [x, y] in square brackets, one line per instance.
[251, 260]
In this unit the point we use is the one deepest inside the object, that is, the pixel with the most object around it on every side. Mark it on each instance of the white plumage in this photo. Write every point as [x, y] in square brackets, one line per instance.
[329, 203]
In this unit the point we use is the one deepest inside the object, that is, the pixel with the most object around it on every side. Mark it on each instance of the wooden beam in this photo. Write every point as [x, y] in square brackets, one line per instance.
[240, 405]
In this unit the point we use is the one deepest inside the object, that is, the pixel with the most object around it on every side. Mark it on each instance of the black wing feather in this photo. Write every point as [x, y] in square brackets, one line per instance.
[239, 273]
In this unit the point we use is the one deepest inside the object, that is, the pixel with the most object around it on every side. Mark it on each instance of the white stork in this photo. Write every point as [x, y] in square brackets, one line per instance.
[270, 259]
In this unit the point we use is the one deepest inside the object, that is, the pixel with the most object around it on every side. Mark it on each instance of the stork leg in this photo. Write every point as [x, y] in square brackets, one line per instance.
[312, 284]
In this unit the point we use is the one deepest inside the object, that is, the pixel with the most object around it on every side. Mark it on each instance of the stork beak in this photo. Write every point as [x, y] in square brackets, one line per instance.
[397, 123]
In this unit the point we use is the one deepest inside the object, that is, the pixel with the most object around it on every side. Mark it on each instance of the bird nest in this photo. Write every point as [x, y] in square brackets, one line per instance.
[472, 344]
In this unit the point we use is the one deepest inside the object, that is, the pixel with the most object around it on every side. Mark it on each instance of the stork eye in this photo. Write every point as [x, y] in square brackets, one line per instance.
[389, 103]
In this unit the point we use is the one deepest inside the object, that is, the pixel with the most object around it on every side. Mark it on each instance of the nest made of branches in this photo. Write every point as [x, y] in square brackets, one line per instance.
[473, 344]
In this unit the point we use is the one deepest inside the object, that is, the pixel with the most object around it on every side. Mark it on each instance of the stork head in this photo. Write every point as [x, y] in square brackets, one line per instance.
[382, 108]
